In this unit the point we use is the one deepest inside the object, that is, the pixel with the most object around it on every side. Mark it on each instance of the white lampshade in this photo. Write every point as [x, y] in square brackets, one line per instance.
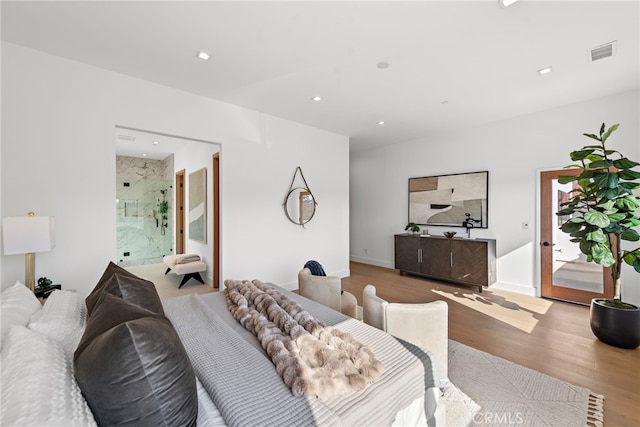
[28, 234]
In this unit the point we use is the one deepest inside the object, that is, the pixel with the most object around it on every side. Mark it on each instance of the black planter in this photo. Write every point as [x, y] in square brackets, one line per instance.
[615, 326]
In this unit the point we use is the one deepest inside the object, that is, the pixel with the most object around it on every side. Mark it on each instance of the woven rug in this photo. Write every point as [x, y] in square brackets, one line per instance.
[490, 391]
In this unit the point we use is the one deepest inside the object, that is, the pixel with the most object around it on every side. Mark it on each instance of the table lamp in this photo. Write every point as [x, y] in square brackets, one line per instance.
[28, 235]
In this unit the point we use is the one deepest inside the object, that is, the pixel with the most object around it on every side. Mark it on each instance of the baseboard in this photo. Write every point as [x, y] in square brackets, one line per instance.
[514, 287]
[371, 261]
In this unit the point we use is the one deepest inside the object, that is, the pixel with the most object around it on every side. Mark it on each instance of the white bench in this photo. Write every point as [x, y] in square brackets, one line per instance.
[180, 265]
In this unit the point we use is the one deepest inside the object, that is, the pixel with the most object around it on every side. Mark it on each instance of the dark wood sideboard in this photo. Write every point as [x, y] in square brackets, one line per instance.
[458, 260]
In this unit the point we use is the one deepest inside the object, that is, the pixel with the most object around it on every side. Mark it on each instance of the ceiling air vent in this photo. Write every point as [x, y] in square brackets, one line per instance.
[126, 138]
[603, 51]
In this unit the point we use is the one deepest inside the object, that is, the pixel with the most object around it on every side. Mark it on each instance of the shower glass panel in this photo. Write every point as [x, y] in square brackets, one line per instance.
[144, 219]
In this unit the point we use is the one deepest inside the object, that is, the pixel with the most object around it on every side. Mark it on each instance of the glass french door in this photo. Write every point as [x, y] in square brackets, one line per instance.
[564, 272]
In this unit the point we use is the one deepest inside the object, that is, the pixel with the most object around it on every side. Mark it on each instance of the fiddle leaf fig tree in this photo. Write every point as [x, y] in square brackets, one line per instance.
[602, 208]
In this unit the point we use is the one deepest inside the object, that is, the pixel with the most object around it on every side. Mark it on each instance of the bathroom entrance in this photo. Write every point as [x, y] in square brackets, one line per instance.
[144, 223]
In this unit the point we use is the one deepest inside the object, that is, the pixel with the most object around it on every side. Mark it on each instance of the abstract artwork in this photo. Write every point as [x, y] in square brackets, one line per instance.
[449, 200]
[198, 205]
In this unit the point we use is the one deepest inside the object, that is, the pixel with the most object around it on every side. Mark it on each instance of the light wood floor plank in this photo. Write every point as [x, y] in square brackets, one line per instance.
[551, 337]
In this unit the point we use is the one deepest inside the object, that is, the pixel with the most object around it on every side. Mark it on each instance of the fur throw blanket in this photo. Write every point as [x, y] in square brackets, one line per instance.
[313, 359]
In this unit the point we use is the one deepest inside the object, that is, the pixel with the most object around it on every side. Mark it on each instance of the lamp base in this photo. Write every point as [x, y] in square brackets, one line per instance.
[30, 270]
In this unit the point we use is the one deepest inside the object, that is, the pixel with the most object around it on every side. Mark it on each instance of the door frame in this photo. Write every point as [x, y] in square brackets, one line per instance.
[215, 185]
[544, 287]
[179, 212]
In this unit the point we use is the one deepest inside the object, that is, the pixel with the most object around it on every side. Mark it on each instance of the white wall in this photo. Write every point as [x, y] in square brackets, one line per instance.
[513, 151]
[58, 158]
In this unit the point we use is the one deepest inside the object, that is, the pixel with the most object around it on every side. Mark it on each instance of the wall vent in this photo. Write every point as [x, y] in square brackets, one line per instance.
[602, 51]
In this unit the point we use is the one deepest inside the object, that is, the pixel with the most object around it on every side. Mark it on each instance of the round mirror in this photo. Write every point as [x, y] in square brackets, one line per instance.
[300, 206]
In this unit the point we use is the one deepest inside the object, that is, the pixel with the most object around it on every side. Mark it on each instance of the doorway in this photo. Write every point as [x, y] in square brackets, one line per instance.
[565, 273]
[184, 155]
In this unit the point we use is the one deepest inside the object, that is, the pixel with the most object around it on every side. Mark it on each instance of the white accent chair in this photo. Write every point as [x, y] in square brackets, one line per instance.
[327, 290]
[423, 324]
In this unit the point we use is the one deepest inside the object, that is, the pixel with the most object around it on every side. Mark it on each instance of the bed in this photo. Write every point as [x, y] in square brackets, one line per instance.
[185, 361]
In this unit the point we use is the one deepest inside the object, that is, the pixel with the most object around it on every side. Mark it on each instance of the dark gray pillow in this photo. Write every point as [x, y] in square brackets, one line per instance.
[127, 286]
[115, 312]
[111, 269]
[136, 372]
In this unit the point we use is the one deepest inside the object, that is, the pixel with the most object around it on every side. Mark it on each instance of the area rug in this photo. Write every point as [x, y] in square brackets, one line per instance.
[489, 391]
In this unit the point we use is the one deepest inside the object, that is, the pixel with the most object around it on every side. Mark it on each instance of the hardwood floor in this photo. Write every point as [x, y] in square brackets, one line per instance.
[551, 337]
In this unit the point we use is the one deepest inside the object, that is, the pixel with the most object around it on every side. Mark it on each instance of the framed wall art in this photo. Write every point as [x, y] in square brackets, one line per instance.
[454, 200]
[198, 205]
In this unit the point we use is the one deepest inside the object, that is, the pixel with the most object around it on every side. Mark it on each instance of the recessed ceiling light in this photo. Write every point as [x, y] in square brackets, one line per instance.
[203, 55]
[506, 3]
[155, 143]
[144, 155]
[444, 102]
[382, 65]
[317, 98]
[381, 122]
[544, 71]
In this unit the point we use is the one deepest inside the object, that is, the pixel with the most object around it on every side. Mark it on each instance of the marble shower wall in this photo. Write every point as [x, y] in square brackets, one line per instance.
[143, 236]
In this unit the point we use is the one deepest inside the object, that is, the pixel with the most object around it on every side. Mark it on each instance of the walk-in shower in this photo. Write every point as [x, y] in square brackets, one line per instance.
[143, 210]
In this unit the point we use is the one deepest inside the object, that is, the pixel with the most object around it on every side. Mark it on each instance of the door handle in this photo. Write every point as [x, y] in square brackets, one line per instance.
[548, 244]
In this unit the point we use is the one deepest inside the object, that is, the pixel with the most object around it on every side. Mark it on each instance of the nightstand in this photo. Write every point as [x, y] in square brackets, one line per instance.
[44, 293]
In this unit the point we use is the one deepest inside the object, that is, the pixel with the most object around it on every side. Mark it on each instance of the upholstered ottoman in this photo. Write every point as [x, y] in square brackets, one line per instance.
[188, 264]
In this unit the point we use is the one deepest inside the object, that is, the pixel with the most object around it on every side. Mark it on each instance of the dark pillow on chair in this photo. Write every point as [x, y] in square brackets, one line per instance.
[136, 372]
[129, 287]
[315, 268]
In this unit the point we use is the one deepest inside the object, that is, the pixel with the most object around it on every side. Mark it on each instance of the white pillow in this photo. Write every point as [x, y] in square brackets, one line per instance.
[17, 305]
[62, 318]
[38, 385]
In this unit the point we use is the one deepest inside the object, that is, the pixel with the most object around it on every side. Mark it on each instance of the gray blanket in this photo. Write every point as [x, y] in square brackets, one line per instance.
[247, 390]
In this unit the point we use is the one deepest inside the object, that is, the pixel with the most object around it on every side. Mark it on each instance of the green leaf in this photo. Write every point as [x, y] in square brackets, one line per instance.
[624, 163]
[630, 185]
[609, 131]
[580, 154]
[631, 222]
[596, 218]
[590, 135]
[609, 180]
[570, 227]
[606, 205]
[602, 255]
[577, 220]
[585, 246]
[629, 174]
[630, 235]
[600, 163]
[567, 211]
[633, 258]
[628, 203]
[565, 179]
[593, 158]
[597, 236]
[615, 217]
[610, 193]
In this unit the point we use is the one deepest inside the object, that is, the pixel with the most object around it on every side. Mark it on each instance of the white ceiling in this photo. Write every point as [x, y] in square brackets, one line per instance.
[452, 64]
